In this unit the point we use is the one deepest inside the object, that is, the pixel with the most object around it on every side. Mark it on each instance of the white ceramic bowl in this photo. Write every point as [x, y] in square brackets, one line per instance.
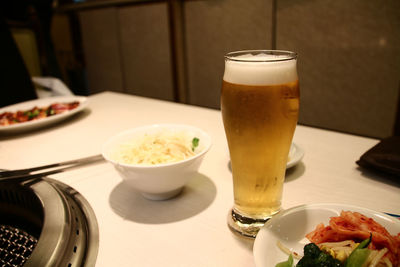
[161, 181]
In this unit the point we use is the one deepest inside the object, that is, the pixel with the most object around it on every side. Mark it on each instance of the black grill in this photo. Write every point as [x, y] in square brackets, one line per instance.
[16, 246]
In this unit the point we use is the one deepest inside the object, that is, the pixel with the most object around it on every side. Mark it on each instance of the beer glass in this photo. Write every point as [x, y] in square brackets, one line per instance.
[260, 106]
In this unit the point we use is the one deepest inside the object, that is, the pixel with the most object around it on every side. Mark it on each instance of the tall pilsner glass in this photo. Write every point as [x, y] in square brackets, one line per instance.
[260, 106]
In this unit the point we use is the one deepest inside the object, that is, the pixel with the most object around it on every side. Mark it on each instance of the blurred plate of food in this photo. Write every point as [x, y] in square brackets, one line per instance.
[39, 112]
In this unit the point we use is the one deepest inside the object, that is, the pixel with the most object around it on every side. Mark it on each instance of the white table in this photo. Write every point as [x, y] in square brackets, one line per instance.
[189, 230]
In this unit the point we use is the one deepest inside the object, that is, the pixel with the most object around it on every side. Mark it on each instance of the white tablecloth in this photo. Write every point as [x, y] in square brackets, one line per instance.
[189, 230]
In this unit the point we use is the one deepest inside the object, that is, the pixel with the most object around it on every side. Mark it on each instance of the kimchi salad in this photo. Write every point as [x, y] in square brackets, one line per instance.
[351, 239]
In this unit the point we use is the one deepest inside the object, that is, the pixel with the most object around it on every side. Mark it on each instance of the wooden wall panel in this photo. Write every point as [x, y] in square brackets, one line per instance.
[213, 28]
[349, 53]
[145, 50]
[349, 62]
[102, 49]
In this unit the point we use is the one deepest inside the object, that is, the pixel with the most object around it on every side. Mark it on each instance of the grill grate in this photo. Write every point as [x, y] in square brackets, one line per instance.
[15, 246]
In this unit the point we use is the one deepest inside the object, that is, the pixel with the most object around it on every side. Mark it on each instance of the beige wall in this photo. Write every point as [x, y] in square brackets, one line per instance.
[101, 44]
[349, 53]
[214, 28]
[349, 61]
[127, 50]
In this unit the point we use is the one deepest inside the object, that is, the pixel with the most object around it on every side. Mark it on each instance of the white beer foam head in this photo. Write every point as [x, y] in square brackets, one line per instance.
[260, 69]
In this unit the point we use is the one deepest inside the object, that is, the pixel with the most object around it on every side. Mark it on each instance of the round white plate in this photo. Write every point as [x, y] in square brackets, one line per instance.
[290, 227]
[296, 153]
[42, 102]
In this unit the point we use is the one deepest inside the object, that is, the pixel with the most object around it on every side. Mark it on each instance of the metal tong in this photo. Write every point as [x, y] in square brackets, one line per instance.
[30, 173]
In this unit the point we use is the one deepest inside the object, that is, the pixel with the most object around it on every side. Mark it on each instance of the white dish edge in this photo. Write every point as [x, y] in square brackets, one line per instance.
[265, 249]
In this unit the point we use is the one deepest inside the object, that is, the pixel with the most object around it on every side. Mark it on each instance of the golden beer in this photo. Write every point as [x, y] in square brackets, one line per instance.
[260, 106]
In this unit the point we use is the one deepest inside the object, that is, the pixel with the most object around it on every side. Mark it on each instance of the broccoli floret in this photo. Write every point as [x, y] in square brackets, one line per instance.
[312, 250]
[314, 257]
